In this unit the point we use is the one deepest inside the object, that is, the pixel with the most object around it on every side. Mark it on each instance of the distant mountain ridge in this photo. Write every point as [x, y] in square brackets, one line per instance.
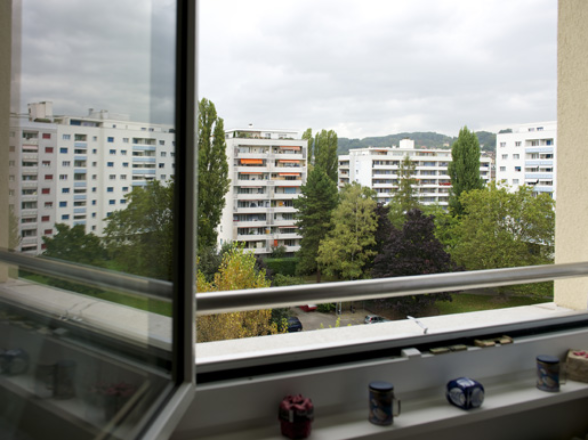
[421, 138]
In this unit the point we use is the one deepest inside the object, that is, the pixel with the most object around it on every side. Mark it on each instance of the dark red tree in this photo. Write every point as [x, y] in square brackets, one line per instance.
[414, 250]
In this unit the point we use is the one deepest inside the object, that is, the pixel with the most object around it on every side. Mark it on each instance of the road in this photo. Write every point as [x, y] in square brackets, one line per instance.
[316, 320]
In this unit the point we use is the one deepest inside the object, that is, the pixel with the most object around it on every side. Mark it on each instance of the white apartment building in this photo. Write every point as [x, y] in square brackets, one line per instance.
[378, 168]
[77, 170]
[267, 169]
[527, 156]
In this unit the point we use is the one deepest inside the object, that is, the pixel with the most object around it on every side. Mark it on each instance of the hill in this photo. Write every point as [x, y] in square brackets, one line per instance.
[428, 139]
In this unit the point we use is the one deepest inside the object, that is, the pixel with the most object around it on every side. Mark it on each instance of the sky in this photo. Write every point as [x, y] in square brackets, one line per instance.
[360, 67]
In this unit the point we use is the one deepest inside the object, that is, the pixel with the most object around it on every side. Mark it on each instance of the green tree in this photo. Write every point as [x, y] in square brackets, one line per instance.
[237, 271]
[140, 237]
[406, 183]
[318, 197]
[464, 168]
[213, 172]
[504, 229]
[13, 236]
[445, 224]
[307, 135]
[73, 244]
[325, 153]
[348, 248]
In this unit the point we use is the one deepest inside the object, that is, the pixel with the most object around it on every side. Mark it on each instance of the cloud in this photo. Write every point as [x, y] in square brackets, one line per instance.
[363, 68]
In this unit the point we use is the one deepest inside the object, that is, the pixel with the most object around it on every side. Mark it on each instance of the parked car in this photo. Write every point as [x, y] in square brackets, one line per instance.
[374, 319]
[294, 324]
[308, 307]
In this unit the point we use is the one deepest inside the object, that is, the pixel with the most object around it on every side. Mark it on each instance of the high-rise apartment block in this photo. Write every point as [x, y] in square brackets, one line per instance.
[77, 170]
[527, 156]
[267, 169]
[378, 168]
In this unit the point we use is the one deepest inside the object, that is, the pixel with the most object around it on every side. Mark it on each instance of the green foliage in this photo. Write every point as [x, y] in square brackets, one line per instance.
[237, 271]
[13, 237]
[317, 200]
[213, 171]
[464, 168]
[283, 266]
[445, 224]
[405, 196]
[287, 280]
[307, 135]
[325, 308]
[140, 237]
[325, 153]
[73, 244]
[504, 229]
[278, 251]
[348, 248]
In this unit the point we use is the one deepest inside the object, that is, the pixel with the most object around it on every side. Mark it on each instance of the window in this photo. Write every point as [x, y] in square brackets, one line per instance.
[63, 150]
[94, 138]
[48, 205]
[516, 156]
[62, 204]
[45, 218]
[110, 189]
[125, 188]
[48, 232]
[66, 137]
[65, 217]
[126, 140]
[110, 139]
[112, 176]
[63, 177]
[161, 165]
[46, 163]
[502, 168]
[65, 190]
[48, 176]
[163, 177]
[517, 143]
[46, 135]
[65, 163]
[163, 154]
[518, 169]
[46, 191]
[504, 156]
[94, 189]
[123, 177]
[515, 181]
[93, 202]
[48, 150]
[11, 163]
[503, 144]
[94, 151]
[123, 201]
[111, 202]
[112, 152]
[161, 142]
[125, 164]
[123, 152]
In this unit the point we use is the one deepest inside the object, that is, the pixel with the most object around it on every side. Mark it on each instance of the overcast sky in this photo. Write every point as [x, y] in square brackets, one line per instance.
[362, 68]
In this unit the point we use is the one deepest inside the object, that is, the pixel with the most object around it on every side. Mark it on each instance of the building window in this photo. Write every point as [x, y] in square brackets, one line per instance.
[125, 188]
[123, 152]
[111, 202]
[46, 163]
[65, 217]
[502, 168]
[517, 143]
[94, 151]
[161, 165]
[66, 137]
[516, 156]
[163, 177]
[112, 176]
[45, 218]
[123, 201]
[110, 189]
[63, 150]
[505, 156]
[161, 142]
[48, 232]
[123, 177]
[94, 176]
[111, 151]
[518, 169]
[125, 164]
[46, 191]
[63, 177]
[110, 139]
[110, 164]
[48, 176]
[503, 144]
[63, 204]
[94, 202]
[515, 181]
[163, 154]
[65, 163]
[48, 150]
[48, 205]
[94, 138]
[94, 189]
[126, 140]
[65, 190]
[46, 135]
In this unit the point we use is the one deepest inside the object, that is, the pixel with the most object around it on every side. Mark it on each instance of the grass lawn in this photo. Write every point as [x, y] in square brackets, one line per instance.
[468, 302]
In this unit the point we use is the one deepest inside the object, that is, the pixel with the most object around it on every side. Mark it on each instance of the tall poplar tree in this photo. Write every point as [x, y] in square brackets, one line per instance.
[317, 200]
[213, 173]
[405, 194]
[325, 153]
[307, 135]
[464, 168]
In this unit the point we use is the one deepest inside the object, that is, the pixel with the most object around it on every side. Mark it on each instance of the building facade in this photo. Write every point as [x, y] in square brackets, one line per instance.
[527, 156]
[78, 170]
[267, 169]
[378, 168]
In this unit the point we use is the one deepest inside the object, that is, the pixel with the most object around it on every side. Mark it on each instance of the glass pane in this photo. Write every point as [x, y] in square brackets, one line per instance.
[85, 314]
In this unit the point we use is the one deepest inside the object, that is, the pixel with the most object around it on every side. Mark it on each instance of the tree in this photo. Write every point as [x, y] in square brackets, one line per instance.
[406, 182]
[318, 197]
[237, 271]
[307, 135]
[504, 229]
[140, 237]
[464, 168]
[445, 224]
[325, 153]
[13, 235]
[348, 248]
[413, 250]
[73, 244]
[213, 172]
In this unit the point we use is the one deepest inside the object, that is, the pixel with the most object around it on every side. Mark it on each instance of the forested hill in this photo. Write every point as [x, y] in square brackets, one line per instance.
[427, 139]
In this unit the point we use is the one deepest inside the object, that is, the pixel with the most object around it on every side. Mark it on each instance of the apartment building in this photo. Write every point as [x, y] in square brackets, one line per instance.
[378, 168]
[78, 170]
[267, 169]
[527, 156]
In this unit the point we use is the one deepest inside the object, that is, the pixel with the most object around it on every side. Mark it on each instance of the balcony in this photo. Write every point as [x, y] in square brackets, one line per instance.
[538, 175]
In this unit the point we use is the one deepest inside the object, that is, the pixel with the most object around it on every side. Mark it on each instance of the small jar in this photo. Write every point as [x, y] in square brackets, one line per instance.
[548, 373]
[381, 403]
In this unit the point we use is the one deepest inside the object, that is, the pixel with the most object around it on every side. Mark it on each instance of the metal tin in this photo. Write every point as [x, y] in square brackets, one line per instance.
[548, 373]
[381, 400]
